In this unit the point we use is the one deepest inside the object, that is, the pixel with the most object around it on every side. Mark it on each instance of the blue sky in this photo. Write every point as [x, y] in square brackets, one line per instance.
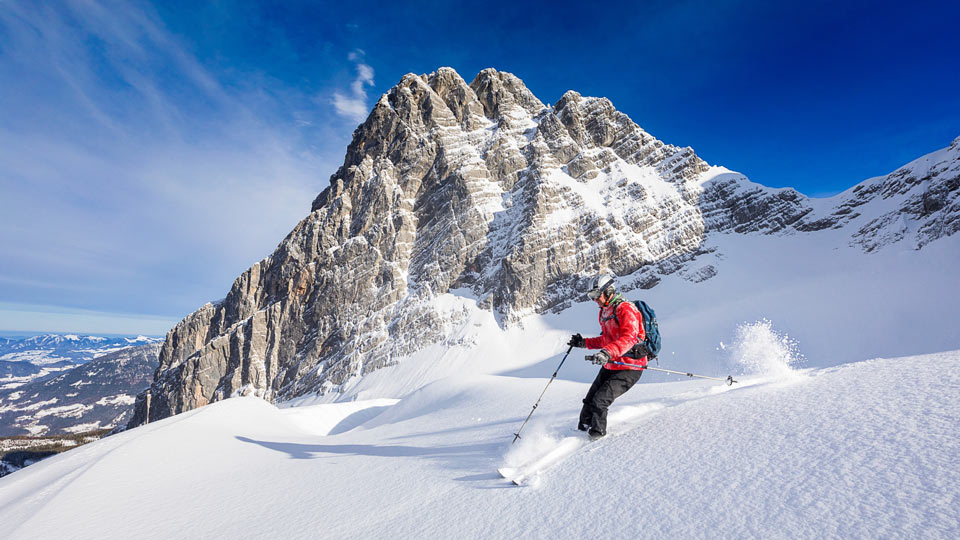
[150, 152]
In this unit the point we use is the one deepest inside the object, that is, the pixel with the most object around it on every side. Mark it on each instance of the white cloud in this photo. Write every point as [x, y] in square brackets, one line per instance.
[353, 105]
[364, 77]
[354, 108]
[132, 179]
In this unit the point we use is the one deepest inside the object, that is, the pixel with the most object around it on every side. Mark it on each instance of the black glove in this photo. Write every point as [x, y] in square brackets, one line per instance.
[577, 340]
[600, 358]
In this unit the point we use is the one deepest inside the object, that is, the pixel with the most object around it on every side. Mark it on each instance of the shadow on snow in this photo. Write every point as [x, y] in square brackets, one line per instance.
[311, 451]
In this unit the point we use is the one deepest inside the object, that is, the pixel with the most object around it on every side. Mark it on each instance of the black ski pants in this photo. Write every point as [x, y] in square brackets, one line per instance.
[608, 386]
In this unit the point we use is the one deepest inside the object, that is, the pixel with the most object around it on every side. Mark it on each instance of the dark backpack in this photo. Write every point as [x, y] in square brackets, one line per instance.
[650, 346]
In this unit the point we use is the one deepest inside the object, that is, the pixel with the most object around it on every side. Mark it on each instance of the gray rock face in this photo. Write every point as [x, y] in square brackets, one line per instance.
[921, 202]
[476, 187]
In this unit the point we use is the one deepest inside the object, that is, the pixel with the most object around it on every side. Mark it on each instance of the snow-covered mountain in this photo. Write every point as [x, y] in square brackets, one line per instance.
[52, 348]
[27, 359]
[457, 200]
[96, 395]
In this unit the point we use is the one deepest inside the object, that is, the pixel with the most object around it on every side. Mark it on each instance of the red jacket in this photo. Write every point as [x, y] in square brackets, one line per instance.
[619, 334]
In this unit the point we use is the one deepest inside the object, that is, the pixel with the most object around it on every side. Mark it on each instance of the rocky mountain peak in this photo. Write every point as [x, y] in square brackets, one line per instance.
[460, 99]
[479, 189]
[501, 93]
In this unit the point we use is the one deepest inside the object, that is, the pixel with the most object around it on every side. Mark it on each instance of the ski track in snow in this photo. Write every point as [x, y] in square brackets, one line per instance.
[542, 451]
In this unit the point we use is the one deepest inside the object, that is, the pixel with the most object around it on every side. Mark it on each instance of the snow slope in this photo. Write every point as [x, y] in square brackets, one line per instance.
[860, 450]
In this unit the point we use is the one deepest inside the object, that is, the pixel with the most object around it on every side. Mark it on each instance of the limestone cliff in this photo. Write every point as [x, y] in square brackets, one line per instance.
[480, 186]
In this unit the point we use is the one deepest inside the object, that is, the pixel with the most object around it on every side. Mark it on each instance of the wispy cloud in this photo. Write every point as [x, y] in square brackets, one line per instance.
[126, 165]
[353, 105]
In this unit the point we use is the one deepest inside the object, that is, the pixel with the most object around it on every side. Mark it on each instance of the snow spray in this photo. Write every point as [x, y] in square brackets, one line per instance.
[531, 445]
[759, 349]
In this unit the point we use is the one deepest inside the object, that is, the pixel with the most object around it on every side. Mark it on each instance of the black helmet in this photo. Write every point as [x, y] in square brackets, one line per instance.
[599, 285]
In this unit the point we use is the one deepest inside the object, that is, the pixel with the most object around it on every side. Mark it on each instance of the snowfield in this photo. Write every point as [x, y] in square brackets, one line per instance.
[860, 450]
[833, 431]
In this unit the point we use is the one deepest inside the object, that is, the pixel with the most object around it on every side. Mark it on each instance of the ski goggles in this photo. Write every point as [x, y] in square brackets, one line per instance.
[593, 294]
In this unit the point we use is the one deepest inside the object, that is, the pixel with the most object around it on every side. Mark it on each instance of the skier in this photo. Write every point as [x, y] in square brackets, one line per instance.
[621, 328]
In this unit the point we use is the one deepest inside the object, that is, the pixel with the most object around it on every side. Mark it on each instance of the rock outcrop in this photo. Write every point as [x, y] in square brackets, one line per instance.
[478, 187]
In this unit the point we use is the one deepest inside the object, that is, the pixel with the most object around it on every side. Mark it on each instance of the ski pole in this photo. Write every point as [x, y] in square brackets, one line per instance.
[729, 380]
[517, 434]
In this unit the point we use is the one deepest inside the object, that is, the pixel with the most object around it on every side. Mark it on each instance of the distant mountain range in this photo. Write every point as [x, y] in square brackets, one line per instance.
[27, 359]
[53, 348]
[65, 383]
[96, 395]
[10, 370]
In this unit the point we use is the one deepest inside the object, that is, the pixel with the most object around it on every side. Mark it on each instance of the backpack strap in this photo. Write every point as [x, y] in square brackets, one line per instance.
[615, 303]
[639, 312]
[617, 306]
